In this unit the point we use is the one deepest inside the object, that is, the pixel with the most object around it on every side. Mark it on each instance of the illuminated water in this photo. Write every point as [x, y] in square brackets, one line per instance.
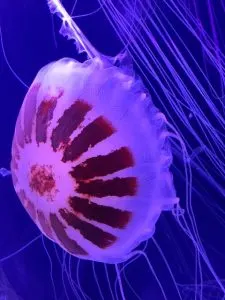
[41, 271]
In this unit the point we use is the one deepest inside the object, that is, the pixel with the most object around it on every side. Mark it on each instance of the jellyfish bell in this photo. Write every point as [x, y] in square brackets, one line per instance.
[91, 159]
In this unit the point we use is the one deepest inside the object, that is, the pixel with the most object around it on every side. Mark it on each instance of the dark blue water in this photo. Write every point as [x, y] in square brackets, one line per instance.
[31, 40]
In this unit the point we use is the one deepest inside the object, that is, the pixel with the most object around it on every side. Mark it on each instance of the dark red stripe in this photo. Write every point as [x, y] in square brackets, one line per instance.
[15, 150]
[70, 245]
[30, 111]
[69, 122]
[104, 214]
[46, 228]
[31, 210]
[43, 118]
[28, 204]
[90, 232]
[104, 164]
[113, 187]
[92, 134]
[19, 132]
[14, 161]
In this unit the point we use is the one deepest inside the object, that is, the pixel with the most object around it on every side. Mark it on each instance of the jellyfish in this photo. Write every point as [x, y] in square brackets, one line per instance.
[92, 155]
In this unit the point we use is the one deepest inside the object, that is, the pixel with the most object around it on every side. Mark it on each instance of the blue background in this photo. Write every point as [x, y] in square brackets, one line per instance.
[31, 40]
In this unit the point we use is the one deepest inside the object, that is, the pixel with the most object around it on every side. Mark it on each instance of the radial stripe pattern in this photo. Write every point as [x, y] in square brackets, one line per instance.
[111, 216]
[76, 220]
[94, 133]
[103, 165]
[112, 187]
[70, 120]
[30, 111]
[44, 116]
[97, 236]
[69, 244]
